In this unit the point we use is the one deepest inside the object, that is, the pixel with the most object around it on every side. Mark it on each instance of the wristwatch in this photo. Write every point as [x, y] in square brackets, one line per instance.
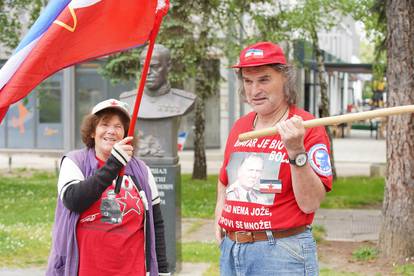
[299, 160]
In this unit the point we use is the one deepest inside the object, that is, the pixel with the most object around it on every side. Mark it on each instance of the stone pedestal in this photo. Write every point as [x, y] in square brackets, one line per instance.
[168, 179]
[157, 147]
[157, 126]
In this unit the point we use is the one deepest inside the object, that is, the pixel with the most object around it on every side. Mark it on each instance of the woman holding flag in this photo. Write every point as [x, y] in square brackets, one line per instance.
[98, 229]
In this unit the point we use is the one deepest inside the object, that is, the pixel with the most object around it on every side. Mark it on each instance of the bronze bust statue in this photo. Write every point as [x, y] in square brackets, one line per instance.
[159, 99]
[161, 107]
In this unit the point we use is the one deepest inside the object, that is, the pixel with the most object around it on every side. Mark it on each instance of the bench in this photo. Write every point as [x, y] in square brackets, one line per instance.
[377, 125]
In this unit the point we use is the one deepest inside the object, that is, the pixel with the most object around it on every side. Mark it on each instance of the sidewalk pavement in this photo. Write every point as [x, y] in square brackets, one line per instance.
[349, 224]
[353, 155]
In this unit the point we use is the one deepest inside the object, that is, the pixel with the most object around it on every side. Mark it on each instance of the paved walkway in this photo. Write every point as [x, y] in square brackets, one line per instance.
[349, 225]
[354, 155]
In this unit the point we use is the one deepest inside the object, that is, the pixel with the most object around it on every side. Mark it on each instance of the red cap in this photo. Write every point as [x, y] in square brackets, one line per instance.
[261, 53]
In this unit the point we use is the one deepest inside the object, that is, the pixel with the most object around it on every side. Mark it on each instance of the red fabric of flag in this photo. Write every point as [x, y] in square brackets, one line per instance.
[81, 33]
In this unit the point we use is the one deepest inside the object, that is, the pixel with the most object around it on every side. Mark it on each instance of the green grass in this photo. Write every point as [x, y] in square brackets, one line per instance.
[198, 197]
[27, 202]
[27, 211]
[214, 270]
[199, 252]
[355, 192]
[405, 270]
[318, 232]
[365, 253]
[329, 272]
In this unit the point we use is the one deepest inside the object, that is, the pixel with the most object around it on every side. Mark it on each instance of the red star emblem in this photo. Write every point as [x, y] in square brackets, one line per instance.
[129, 204]
[114, 103]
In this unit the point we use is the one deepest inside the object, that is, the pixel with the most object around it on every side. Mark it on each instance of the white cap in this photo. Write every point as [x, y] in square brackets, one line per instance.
[112, 103]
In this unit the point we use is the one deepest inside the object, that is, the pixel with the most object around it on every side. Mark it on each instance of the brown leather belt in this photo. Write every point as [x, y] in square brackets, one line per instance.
[246, 236]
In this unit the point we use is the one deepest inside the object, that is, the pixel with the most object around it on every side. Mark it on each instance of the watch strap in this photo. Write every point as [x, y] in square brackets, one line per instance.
[293, 161]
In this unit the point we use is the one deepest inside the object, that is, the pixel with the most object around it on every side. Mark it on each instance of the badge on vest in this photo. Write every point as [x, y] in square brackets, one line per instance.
[110, 209]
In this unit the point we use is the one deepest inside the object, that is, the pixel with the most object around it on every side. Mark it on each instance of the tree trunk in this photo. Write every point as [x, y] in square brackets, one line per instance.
[200, 165]
[324, 92]
[396, 236]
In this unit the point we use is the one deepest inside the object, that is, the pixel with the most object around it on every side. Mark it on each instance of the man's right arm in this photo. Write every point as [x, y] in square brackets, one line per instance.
[221, 196]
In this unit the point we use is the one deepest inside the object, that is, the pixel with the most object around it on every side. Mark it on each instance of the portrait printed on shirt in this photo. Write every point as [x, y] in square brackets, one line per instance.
[253, 178]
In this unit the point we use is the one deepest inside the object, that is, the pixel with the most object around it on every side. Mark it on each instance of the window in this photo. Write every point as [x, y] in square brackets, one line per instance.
[49, 109]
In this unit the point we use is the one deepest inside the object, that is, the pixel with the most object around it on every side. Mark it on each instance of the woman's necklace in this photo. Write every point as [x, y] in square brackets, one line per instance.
[273, 124]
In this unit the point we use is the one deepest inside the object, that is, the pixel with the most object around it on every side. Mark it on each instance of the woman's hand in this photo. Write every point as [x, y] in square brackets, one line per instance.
[126, 146]
[123, 151]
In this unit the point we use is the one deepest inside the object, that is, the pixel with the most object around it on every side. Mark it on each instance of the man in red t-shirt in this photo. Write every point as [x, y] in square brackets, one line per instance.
[270, 187]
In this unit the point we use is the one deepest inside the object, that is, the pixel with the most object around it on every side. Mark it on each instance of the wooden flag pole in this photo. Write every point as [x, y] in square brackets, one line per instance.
[335, 120]
[140, 90]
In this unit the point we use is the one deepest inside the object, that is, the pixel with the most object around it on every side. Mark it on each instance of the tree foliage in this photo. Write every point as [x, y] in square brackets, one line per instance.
[372, 14]
[303, 20]
[15, 16]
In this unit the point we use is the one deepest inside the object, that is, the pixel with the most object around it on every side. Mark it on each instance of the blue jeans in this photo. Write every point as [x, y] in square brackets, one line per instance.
[292, 256]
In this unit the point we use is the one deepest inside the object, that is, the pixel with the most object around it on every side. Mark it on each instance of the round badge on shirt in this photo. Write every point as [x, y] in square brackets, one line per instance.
[319, 160]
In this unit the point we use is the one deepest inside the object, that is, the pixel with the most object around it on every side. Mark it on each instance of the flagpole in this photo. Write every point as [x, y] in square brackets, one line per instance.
[158, 20]
[160, 13]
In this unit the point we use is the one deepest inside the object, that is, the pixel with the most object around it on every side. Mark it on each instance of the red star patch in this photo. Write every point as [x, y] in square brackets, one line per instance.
[129, 204]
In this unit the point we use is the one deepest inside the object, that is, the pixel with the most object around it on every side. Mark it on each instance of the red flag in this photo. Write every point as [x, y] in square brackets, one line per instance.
[83, 30]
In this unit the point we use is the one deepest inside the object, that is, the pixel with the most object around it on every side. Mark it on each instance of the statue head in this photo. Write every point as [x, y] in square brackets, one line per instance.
[157, 79]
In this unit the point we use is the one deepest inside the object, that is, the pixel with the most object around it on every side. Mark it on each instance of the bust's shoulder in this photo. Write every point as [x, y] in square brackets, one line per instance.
[182, 93]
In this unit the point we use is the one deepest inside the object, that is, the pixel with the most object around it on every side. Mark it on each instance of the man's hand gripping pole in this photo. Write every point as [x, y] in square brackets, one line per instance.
[335, 120]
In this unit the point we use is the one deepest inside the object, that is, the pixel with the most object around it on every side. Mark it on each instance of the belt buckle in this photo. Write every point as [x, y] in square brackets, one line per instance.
[247, 233]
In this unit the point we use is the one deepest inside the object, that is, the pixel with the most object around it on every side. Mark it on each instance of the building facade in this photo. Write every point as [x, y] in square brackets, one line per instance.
[50, 117]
